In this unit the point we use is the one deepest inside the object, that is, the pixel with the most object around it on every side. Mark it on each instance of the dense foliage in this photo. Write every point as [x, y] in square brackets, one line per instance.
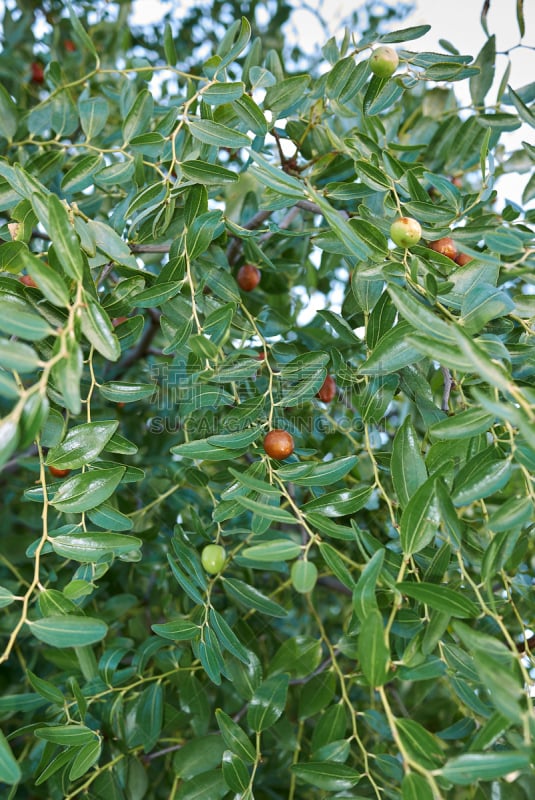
[183, 614]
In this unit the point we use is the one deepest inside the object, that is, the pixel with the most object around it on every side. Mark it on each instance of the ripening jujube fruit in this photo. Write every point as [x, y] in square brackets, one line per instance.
[279, 444]
[38, 72]
[213, 558]
[57, 472]
[248, 277]
[27, 280]
[405, 231]
[384, 61]
[463, 259]
[445, 246]
[327, 393]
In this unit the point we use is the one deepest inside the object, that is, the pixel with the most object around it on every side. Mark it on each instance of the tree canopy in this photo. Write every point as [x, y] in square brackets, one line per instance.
[268, 428]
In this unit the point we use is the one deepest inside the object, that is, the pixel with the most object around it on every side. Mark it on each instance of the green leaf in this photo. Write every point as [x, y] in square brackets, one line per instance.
[480, 477]
[415, 787]
[420, 519]
[442, 598]
[327, 775]
[68, 630]
[235, 772]
[218, 93]
[93, 115]
[18, 319]
[407, 465]
[322, 474]
[93, 546]
[69, 735]
[17, 356]
[124, 392]
[339, 504]
[467, 423]
[267, 703]
[393, 351]
[214, 133]
[9, 439]
[210, 784]
[8, 115]
[227, 638]
[177, 629]
[424, 748]
[284, 96]
[98, 329]
[80, 34]
[87, 755]
[274, 550]
[46, 689]
[202, 231]
[139, 116]
[304, 574]
[249, 597]
[82, 444]
[206, 173]
[10, 771]
[364, 596]
[66, 242]
[250, 114]
[481, 83]
[271, 512]
[156, 295]
[405, 35]
[6, 597]
[275, 178]
[336, 564]
[81, 175]
[82, 492]
[374, 655]
[49, 282]
[234, 737]
[340, 226]
[468, 768]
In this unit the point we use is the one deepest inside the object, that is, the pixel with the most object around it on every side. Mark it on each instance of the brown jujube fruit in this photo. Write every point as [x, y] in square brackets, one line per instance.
[248, 277]
[279, 444]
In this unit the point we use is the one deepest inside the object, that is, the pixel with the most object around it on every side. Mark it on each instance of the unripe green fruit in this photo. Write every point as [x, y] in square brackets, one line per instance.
[304, 575]
[405, 231]
[384, 61]
[213, 558]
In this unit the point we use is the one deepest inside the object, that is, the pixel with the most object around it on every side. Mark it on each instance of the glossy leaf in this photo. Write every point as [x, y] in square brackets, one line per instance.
[68, 630]
[82, 444]
[267, 703]
[442, 598]
[374, 655]
[82, 492]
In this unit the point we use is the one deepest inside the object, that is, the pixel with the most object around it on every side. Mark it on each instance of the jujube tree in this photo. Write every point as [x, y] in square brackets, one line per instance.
[250, 550]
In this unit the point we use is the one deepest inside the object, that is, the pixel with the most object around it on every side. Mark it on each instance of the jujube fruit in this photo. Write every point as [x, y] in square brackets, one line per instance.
[463, 259]
[279, 444]
[213, 558]
[27, 280]
[405, 231]
[57, 472]
[445, 246]
[327, 393]
[38, 73]
[248, 277]
[384, 61]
